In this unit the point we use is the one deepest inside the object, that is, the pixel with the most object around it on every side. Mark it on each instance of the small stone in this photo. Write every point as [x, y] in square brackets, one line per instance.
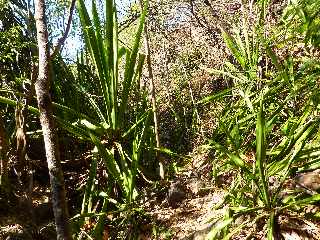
[176, 194]
[197, 187]
[310, 180]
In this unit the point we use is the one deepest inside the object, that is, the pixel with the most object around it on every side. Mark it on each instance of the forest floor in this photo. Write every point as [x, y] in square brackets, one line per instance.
[28, 218]
[183, 208]
[192, 216]
[184, 217]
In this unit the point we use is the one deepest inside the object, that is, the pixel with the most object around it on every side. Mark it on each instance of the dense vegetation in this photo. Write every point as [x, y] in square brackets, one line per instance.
[149, 93]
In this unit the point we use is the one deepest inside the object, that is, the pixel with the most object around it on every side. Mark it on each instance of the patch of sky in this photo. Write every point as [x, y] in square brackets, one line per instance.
[74, 42]
[57, 17]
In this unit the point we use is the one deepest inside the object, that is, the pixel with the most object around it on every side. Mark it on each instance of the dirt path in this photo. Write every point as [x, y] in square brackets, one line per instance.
[188, 213]
[192, 219]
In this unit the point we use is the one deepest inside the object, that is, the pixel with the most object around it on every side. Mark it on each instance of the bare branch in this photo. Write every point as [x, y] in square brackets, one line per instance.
[65, 35]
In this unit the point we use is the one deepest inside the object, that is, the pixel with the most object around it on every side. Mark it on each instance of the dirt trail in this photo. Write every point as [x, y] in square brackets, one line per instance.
[189, 214]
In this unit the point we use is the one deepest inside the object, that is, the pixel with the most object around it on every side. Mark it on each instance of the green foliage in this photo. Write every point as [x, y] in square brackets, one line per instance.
[13, 46]
[302, 17]
[119, 128]
[3, 3]
[267, 125]
[272, 112]
[118, 144]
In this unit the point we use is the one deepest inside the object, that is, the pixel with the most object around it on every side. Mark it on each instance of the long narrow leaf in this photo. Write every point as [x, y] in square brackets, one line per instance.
[131, 63]
[108, 157]
[261, 153]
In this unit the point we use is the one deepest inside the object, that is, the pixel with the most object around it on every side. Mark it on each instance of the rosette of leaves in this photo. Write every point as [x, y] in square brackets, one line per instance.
[267, 134]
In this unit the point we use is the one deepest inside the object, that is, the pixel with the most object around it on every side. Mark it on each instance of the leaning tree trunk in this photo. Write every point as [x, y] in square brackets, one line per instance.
[42, 86]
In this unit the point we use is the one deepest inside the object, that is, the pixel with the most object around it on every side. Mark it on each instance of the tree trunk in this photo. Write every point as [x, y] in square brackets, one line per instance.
[152, 92]
[21, 138]
[42, 86]
[3, 153]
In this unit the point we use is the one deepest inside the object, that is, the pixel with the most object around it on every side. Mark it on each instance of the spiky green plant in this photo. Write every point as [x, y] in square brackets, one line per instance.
[118, 143]
[104, 114]
[302, 17]
[272, 115]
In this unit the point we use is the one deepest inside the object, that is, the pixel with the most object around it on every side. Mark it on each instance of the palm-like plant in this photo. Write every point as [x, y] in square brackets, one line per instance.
[272, 116]
[108, 135]
[106, 117]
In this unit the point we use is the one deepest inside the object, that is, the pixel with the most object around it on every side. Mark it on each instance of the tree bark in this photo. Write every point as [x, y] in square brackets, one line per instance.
[42, 86]
[21, 138]
[152, 92]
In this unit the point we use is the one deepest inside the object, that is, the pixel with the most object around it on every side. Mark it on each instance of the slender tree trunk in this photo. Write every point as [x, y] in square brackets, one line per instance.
[152, 92]
[21, 139]
[42, 86]
[3, 154]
